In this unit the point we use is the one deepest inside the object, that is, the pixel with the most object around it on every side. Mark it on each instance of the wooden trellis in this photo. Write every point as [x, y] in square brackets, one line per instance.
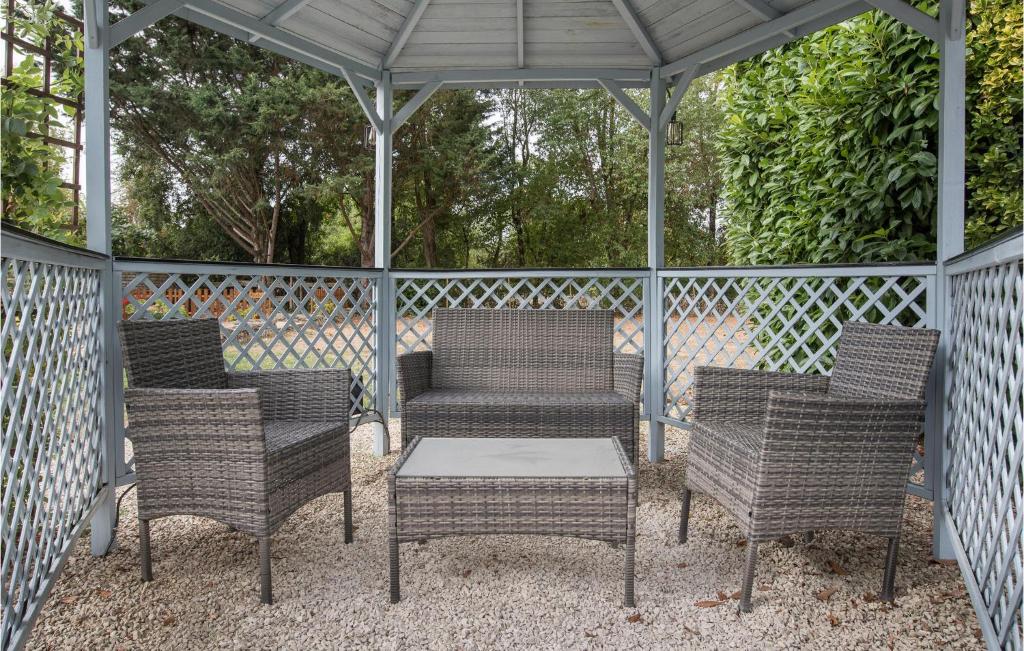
[15, 47]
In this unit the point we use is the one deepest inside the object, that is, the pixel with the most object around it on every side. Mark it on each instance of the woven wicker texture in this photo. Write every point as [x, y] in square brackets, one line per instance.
[523, 350]
[248, 455]
[596, 508]
[601, 399]
[763, 443]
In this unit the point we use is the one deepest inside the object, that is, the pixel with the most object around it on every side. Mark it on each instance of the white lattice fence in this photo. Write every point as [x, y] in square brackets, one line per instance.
[271, 317]
[786, 319]
[985, 436]
[418, 293]
[52, 420]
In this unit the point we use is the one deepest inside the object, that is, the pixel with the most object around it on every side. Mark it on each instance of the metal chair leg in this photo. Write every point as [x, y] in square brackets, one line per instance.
[748, 576]
[684, 516]
[144, 556]
[889, 577]
[348, 515]
[266, 591]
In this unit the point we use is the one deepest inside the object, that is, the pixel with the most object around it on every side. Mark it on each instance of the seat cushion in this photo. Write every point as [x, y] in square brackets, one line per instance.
[453, 413]
[304, 460]
[723, 459]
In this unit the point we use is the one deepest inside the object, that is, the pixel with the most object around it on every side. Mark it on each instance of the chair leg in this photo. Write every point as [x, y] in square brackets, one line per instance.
[144, 557]
[266, 591]
[889, 577]
[684, 516]
[348, 515]
[808, 537]
[748, 576]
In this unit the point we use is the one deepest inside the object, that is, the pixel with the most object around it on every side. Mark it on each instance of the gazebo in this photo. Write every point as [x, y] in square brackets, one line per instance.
[62, 392]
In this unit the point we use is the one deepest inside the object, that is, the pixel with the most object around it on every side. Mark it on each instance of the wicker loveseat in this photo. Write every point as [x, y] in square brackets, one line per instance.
[522, 373]
[245, 449]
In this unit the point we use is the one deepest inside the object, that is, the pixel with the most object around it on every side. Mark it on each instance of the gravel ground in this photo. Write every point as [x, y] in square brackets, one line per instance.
[488, 592]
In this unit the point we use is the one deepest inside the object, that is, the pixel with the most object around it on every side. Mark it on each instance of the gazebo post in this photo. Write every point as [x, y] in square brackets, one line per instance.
[382, 259]
[655, 259]
[949, 242]
[97, 196]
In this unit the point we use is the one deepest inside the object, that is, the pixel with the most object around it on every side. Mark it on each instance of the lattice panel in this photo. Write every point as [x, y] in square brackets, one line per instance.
[416, 297]
[272, 322]
[52, 442]
[985, 475]
[785, 323]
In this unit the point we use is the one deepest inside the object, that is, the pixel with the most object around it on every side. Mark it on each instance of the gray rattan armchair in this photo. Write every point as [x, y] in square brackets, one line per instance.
[245, 449]
[522, 373]
[786, 453]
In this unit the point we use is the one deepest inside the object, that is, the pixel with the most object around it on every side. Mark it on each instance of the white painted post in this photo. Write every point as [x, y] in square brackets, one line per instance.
[653, 345]
[382, 259]
[97, 195]
[950, 242]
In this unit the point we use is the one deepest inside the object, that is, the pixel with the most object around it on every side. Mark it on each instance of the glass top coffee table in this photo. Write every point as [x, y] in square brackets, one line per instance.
[581, 488]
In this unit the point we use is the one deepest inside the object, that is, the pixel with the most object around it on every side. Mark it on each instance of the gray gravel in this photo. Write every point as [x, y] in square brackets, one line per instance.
[475, 593]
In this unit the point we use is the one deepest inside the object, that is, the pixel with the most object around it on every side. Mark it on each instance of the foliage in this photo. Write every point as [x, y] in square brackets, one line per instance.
[830, 148]
[831, 142]
[995, 119]
[31, 170]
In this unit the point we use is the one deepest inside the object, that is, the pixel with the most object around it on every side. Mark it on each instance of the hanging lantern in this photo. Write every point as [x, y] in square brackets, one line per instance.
[674, 133]
[370, 137]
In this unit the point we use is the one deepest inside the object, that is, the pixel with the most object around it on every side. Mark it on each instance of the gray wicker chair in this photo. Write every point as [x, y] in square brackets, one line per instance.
[522, 373]
[245, 449]
[786, 453]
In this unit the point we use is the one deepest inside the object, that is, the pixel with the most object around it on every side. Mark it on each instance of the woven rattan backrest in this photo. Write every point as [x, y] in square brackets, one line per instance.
[179, 354]
[883, 361]
[523, 350]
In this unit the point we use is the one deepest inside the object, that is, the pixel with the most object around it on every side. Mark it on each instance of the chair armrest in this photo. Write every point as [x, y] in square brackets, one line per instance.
[742, 394]
[629, 376]
[194, 423]
[835, 463]
[413, 374]
[316, 395]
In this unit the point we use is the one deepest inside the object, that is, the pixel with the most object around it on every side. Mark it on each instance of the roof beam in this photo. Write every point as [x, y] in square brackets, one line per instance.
[283, 12]
[627, 102]
[677, 95]
[410, 107]
[253, 26]
[520, 38]
[298, 50]
[131, 25]
[368, 105]
[910, 16]
[787, 22]
[760, 47]
[762, 10]
[632, 21]
[404, 32]
[640, 75]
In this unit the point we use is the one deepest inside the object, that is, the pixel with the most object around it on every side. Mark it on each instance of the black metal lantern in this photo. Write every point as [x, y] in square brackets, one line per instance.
[674, 133]
[370, 137]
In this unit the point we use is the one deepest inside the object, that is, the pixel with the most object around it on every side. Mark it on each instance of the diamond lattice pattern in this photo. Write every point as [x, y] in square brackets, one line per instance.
[272, 322]
[985, 475]
[52, 422]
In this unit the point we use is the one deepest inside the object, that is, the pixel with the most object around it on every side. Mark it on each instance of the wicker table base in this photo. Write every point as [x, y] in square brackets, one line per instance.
[581, 488]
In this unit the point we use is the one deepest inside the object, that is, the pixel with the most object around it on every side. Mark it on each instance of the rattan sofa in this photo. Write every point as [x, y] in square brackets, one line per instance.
[786, 453]
[245, 449]
[522, 373]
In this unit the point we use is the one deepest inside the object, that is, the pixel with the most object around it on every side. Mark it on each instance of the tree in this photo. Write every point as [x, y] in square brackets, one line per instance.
[226, 121]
